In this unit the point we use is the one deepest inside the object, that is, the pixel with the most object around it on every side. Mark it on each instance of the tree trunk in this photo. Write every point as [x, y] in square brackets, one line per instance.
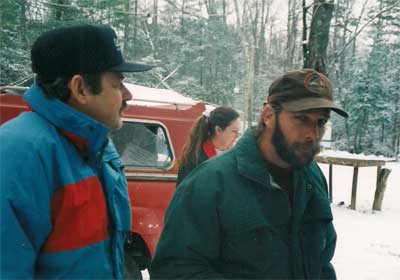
[319, 35]
[346, 124]
[355, 141]
[59, 10]
[22, 21]
[397, 145]
[356, 28]
[155, 27]
[396, 128]
[182, 18]
[362, 132]
[247, 56]
[224, 11]
[380, 189]
[260, 52]
[291, 33]
[358, 134]
[305, 31]
[126, 25]
[135, 29]
[343, 62]
[155, 14]
[250, 86]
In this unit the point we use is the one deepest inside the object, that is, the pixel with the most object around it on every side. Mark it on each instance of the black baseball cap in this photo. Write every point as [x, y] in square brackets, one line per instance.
[79, 49]
[303, 89]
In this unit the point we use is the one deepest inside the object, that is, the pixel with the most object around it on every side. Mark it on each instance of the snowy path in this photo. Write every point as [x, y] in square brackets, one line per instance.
[368, 245]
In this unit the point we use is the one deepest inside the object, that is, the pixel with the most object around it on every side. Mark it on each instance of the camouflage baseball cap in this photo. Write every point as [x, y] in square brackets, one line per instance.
[302, 90]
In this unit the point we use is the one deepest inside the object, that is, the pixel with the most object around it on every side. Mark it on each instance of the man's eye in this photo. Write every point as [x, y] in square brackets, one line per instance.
[301, 118]
[322, 122]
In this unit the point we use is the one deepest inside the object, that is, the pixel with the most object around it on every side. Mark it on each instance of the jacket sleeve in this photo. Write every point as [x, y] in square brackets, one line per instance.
[189, 245]
[327, 270]
[25, 209]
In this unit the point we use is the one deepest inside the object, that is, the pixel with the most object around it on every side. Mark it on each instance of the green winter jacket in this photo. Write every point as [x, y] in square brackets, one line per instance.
[228, 219]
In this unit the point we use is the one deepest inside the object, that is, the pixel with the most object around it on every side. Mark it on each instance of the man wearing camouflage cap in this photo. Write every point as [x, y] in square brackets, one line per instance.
[261, 210]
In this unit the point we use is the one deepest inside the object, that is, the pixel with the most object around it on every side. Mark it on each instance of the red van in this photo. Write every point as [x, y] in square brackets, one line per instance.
[156, 126]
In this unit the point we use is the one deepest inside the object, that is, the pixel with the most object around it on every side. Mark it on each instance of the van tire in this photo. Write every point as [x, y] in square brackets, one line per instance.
[131, 270]
[136, 249]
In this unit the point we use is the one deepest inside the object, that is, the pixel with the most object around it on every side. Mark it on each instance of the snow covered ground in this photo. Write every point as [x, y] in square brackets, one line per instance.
[368, 246]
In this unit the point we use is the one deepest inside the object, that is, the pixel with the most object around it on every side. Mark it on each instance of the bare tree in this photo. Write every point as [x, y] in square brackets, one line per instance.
[315, 48]
[256, 15]
[127, 6]
[135, 27]
[292, 31]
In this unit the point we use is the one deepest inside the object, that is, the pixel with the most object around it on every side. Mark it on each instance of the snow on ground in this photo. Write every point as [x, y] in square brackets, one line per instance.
[368, 246]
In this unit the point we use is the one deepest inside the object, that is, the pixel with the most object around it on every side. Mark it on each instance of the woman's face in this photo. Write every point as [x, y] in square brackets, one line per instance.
[225, 139]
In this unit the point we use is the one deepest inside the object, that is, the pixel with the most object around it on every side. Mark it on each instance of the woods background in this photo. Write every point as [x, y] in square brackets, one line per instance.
[228, 51]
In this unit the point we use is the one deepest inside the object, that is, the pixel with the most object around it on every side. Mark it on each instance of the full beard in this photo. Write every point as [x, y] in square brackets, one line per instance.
[297, 154]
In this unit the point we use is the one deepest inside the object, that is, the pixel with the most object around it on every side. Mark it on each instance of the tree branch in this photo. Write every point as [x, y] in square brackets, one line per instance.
[388, 8]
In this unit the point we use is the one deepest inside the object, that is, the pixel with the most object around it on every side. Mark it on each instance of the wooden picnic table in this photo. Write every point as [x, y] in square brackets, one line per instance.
[349, 161]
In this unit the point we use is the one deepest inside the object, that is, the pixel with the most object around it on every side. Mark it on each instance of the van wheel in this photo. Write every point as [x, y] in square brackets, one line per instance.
[131, 270]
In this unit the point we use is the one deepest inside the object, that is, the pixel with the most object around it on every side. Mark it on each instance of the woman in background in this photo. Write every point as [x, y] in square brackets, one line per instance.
[211, 134]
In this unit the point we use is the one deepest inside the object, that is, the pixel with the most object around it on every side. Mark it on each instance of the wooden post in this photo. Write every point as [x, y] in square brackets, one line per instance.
[377, 174]
[330, 182]
[354, 189]
[380, 188]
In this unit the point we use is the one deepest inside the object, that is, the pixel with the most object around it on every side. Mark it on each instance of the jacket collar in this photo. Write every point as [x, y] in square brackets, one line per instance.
[249, 159]
[251, 165]
[209, 148]
[80, 129]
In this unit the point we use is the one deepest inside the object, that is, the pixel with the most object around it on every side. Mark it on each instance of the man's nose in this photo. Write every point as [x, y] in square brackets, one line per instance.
[314, 133]
[126, 94]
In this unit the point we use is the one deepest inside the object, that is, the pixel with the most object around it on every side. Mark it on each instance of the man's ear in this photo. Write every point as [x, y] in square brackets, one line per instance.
[79, 90]
[268, 115]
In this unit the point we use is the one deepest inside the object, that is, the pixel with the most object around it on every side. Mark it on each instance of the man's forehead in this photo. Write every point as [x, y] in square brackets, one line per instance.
[321, 111]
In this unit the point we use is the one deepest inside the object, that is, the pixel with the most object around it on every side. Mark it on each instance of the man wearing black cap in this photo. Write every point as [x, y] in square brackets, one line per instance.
[65, 210]
[261, 210]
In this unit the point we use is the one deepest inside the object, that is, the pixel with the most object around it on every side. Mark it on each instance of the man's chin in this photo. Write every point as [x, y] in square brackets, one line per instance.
[116, 125]
[302, 160]
[119, 124]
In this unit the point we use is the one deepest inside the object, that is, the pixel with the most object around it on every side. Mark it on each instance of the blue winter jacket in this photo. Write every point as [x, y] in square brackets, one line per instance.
[65, 210]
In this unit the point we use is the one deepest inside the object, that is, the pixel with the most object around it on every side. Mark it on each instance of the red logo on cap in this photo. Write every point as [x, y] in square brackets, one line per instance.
[315, 82]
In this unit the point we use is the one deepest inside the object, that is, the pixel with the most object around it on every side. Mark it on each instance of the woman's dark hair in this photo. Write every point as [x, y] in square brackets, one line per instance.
[203, 129]
[59, 87]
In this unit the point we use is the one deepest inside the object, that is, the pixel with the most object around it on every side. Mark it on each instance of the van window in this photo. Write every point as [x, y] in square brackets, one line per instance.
[143, 145]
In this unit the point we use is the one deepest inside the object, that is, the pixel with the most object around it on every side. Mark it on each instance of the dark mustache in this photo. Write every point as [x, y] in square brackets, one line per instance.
[123, 107]
[313, 146]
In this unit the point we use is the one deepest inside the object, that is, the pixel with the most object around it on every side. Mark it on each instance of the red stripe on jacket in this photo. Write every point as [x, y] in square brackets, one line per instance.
[78, 215]
[79, 142]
